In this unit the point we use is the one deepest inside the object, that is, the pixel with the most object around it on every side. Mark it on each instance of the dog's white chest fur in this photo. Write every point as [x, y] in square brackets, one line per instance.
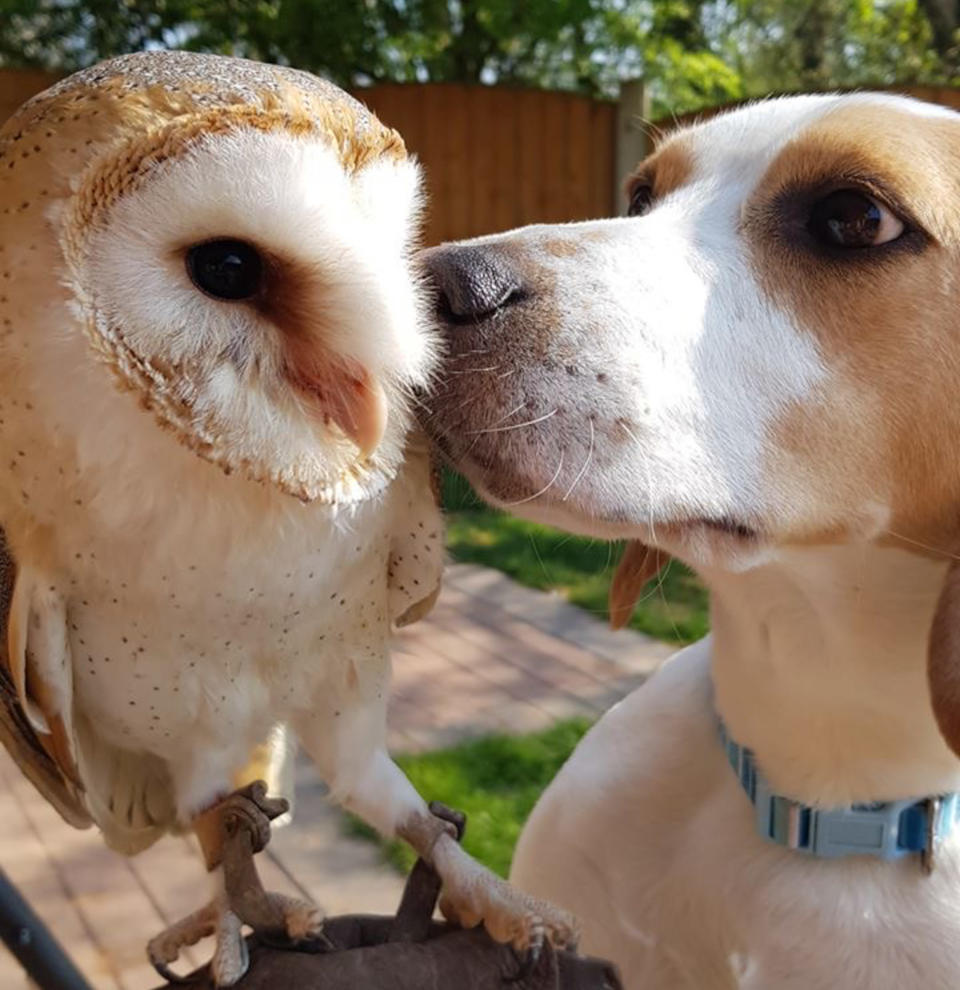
[662, 862]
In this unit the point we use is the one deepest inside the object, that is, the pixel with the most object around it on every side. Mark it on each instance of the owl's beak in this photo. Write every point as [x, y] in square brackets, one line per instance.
[350, 397]
[358, 406]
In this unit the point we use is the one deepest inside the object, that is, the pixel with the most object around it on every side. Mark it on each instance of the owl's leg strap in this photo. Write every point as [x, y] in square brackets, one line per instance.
[247, 809]
[231, 833]
[245, 831]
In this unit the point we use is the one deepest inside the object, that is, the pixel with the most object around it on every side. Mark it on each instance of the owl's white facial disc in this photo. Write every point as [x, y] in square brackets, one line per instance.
[303, 381]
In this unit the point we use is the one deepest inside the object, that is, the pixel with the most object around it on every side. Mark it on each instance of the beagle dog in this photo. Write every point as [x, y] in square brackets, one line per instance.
[754, 372]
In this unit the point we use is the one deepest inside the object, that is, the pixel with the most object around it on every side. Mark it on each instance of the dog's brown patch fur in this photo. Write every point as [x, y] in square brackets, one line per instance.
[668, 168]
[890, 377]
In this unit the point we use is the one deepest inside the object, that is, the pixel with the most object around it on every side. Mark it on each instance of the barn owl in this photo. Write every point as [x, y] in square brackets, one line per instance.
[212, 505]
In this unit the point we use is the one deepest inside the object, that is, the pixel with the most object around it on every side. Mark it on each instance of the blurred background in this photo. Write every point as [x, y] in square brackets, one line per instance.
[521, 111]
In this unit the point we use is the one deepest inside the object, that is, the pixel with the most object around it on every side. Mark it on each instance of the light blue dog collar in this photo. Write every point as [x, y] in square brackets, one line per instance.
[886, 829]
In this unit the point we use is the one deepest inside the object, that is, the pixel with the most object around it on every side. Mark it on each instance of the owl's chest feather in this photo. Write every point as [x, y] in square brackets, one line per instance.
[209, 647]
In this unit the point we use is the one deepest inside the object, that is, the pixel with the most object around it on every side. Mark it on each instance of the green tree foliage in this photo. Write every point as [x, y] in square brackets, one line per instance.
[692, 52]
[821, 44]
[944, 18]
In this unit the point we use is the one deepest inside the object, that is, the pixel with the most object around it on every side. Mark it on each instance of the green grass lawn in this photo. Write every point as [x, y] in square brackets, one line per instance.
[672, 608]
[495, 780]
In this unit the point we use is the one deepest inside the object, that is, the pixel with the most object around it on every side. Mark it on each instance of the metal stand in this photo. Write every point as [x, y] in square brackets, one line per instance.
[29, 939]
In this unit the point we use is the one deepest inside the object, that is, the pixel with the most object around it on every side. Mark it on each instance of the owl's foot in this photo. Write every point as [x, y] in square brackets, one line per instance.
[231, 833]
[300, 921]
[229, 960]
[246, 817]
[472, 894]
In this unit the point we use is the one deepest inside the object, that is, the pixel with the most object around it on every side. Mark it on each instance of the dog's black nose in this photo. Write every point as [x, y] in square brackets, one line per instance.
[471, 282]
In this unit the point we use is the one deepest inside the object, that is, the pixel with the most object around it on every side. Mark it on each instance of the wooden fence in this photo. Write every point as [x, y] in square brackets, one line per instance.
[497, 158]
[18, 85]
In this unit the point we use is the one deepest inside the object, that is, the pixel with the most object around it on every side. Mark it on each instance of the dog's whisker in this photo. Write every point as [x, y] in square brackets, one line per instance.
[626, 429]
[922, 546]
[475, 371]
[586, 464]
[661, 592]
[506, 416]
[479, 433]
[474, 351]
[470, 400]
[517, 426]
[544, 490]
[650, 522]
[536, 550]
[419, 402]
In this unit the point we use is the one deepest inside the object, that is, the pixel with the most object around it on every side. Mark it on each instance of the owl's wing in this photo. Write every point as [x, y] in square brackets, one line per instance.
[36, 687]
[85, 777]
[417, 554]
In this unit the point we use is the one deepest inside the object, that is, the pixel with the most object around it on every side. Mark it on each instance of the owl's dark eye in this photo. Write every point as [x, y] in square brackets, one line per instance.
[849, 218]
[641, 199]
[225, 269]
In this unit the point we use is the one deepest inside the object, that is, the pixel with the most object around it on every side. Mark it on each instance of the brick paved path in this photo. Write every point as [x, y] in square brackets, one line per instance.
[492, 656]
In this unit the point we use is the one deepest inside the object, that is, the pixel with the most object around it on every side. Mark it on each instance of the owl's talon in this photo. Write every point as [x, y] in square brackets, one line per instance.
[245, 822]
[230, 958]
[302, 920]
[165, 948]
[527, 961]
[536, 945]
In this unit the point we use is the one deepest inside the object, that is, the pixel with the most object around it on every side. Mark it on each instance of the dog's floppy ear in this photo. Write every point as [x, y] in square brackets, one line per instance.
[637, 566]
[943, 659]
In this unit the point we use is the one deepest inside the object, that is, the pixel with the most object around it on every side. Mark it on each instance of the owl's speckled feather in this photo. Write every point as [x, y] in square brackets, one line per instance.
[165, 83]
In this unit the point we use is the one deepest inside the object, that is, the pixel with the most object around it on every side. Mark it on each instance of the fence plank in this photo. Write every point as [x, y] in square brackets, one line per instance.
[18, 85]
[603, 179]
[483, 175]
[503, 211]
[528, 133]
[555, 191]
[459, 168]
[577, 156]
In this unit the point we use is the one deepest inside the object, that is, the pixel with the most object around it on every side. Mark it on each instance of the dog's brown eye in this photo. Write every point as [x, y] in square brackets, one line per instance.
[849, 218]
[641, 199]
